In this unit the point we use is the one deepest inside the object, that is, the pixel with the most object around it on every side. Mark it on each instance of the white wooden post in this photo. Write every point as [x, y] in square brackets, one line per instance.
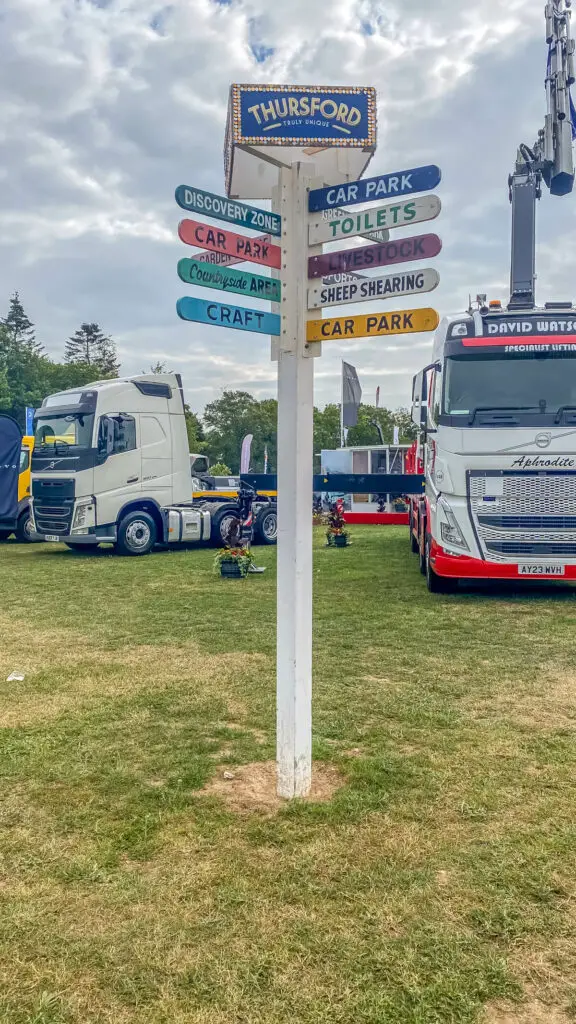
[295, 467]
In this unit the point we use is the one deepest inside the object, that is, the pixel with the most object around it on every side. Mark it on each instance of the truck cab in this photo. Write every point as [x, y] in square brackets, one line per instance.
[497, 411]
[111, 464]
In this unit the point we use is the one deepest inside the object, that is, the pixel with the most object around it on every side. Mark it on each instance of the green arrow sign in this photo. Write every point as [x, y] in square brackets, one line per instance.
[227, 279]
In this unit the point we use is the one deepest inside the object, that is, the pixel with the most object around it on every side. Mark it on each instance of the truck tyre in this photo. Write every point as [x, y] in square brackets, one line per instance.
[24, 528]
[4, 534]
[136, 534]
[266, 527]
[437, 584]
[413, 542]
[220, 525]
[422, 560]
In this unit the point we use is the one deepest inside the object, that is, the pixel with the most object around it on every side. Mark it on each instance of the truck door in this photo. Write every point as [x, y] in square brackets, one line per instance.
[118, 474]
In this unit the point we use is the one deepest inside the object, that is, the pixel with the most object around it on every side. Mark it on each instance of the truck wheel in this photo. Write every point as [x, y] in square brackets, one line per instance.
[24, 528]
[422, 560]
[221, 523]
[4, 534]
[413, 542]
[136, 534]
[266, 527]
[437, 584]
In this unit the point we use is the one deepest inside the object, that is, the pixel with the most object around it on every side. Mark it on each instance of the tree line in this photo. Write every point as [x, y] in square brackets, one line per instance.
[28, 375]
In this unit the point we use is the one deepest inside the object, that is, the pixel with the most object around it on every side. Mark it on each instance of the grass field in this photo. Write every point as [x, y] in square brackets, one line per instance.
[438, 884]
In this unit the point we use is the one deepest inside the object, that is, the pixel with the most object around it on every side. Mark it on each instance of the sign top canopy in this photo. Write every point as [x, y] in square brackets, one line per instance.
[334, 125]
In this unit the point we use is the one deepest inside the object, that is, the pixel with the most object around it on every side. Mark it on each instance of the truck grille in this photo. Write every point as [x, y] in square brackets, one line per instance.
[534, 515]
[536, 550]
[528, 522]
[53, 502]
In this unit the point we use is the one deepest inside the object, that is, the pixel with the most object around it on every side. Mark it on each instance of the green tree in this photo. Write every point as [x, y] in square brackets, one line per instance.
[19, 329]
[220, 469]
[196, 439]
[26, 378]
[326, 428]
[89, 345]
[228, 419]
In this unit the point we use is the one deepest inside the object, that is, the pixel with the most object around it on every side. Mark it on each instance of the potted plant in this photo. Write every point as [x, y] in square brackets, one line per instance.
[232, 563]
[317, 512]
[337, 534]
[400, 505]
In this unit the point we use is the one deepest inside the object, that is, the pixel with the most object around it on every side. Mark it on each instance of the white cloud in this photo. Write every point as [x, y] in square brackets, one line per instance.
[109, 104]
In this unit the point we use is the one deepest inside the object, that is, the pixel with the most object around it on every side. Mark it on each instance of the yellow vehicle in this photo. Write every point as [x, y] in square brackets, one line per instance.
[22, 523]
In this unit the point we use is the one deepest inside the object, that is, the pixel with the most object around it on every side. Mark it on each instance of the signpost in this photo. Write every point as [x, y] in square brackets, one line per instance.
[225, 279]
[222, 208]
[304, 148]
[384, 186]
[222, 315]
[374, 325]
[391, 215]
[194, 232]
[390, 286]
[404, 250]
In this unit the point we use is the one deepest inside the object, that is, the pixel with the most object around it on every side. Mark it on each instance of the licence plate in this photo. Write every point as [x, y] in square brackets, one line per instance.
[52, 536]
[541, 570]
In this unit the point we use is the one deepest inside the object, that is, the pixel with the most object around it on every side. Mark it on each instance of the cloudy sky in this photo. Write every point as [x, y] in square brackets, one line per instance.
[108, 105]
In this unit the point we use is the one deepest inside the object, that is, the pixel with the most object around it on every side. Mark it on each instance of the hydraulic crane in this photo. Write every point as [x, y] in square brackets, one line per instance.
[550, 159]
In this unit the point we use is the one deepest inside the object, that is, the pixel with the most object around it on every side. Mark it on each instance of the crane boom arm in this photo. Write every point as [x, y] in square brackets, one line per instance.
[551, 158]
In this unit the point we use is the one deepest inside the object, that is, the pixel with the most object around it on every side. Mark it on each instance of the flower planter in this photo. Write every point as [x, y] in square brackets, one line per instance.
[231, 570]
[341, 540]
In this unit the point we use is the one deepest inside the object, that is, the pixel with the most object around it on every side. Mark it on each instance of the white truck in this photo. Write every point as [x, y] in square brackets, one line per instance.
[111, 465]
[497, 404]
[498, 410]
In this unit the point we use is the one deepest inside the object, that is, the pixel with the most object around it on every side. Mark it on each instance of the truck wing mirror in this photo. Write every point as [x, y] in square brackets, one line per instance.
[106, 437]
[419, 400]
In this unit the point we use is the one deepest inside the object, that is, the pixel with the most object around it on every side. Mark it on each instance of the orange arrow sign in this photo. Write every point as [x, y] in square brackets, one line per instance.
[194, 232]
[405, 321]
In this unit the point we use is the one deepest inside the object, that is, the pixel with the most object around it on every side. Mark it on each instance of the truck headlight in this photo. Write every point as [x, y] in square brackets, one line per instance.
[84, 517]
[450, 532]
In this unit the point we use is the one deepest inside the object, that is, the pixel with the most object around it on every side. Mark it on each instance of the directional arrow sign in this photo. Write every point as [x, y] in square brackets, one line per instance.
[384, 186]
[391, 215]
[220, 315]
[406, 321]
[388, 287]
[404, 250]
[226, 280]
[218, 259]
[380, 235]
[221, 208]
[193, 232]
[343, 278]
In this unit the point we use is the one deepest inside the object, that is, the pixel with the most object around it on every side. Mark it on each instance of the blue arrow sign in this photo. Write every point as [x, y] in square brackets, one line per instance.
[221, 208]
[220, 314]
[391, 186]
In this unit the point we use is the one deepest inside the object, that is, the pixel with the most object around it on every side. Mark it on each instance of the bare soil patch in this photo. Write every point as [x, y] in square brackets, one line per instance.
[252, 787]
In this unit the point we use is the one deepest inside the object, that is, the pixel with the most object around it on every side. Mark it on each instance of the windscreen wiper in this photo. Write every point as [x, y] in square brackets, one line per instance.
[562, 410]
[510, 409]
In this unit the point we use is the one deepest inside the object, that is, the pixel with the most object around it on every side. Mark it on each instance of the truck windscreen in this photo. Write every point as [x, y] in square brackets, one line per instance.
[61, 432]
[537, 389]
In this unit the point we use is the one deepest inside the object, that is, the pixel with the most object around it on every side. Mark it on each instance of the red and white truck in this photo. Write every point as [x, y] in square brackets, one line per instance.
[497, 411]
[496, 406]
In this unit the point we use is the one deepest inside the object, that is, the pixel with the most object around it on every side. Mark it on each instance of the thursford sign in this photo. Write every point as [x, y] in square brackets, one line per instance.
[303, 115]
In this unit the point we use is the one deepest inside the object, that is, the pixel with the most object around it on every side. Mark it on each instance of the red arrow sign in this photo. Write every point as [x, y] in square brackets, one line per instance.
[217, 259]
[402, 250]
[194, 232]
